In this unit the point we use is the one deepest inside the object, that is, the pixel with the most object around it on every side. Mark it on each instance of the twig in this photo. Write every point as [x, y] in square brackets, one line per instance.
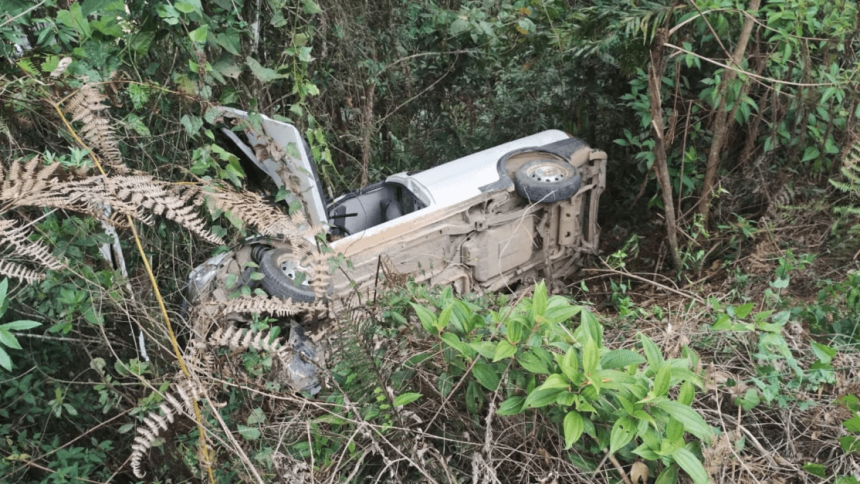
[619, 468]
[633, 276]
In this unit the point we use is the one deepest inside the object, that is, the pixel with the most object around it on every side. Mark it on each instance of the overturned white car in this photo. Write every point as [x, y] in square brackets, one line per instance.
[517, 212]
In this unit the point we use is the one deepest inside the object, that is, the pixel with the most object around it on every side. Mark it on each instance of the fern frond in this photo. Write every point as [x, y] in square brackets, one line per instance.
[263, 304]
[11, 269]
[35, 251]
[154, 423]
[251, 209]
[87, 106]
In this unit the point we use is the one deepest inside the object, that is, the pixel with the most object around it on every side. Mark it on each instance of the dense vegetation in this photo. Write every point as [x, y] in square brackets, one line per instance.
[714, 340]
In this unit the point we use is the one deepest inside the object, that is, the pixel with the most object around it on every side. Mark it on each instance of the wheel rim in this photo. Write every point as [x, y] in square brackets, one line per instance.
[547, 173]
[290, 268]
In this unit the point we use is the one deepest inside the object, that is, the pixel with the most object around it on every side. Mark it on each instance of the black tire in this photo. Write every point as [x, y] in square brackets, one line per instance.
[547, 180]
[276, 265]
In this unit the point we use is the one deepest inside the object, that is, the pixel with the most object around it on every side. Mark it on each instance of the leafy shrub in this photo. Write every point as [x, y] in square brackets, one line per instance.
[618, 397]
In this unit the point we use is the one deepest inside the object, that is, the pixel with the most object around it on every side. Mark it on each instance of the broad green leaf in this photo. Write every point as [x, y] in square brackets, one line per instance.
[256, 417]
[539, 300]
[823, 352]
[487, 349]
[9, 340]
[674, 429]
[661, 381]
[21, 325]
[668, 476]
[5, 361]
[4, 285]
[486, 375]
[428, 319]
[691, 466]
[458, 26]
[310, 7]
[504, 350]
[249, 433]
[444, 317]
[453, 341]
[815, 469]
[558, 314]
[686, 393]
[511, 406]
[622, 433]
[541, 397]
[570, 365]
[199, 34]
[532, 363]
[621, 358]
[555, 381]
[590, 355]
[693, 422]
[744, 310]
[573, 427]
[264, 74]
[406, 398]
[192, 124]
[652, 353]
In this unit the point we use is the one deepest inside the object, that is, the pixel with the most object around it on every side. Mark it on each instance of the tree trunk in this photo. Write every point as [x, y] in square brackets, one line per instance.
[655, 80]
[722, 117]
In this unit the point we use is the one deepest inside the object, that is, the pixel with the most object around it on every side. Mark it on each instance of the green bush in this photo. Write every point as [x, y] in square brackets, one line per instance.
[530, 354]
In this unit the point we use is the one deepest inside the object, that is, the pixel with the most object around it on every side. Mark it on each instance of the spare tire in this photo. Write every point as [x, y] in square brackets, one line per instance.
[547, 180]
[279, 276]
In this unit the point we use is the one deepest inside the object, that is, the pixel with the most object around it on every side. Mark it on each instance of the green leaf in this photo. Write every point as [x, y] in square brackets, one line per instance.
[573, 427]
[622, 433]
[570, 365]
[21, 325]
[4, 285]
[5, 361]
[590, 355]
[458, 26]
[192, 124]
[668, 476]
[661, 381]
[511, 406]
[249, 433]
[652, 353]
[824, 353]
[561, 313]
[504, 350]
[406, 398]
[811, 153]
[541, 397]
[264, 74]
[70, 409]
[310, 7]
[453, 341]
[539, 300]
[532, 363]
[555, 381]
[686, 393]
[428, 319]
[256, 417]
[486, 375]
[693, 422]
[744, 310]
[444, 317]
[691, 465]
[815, 469]
[199, 34]
[9, 340]
[487, 349]
[621, 358]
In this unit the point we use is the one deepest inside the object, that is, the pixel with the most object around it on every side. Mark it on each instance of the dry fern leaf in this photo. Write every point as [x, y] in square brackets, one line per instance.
[264, 304]
[35, 251]
[155, 422]
[87, 106]
[11, 269]
[251, 209]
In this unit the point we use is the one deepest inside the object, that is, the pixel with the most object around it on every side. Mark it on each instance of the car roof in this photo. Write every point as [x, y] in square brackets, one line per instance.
[463, 178]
